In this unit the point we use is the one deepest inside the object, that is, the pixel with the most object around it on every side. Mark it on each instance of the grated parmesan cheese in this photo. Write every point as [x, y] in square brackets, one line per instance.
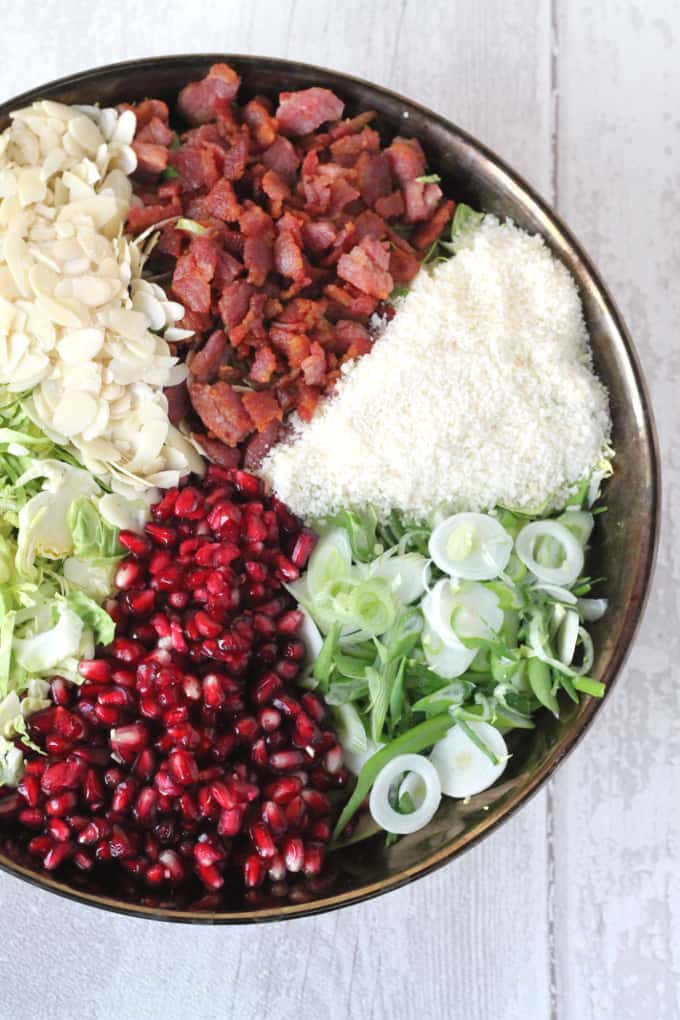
[480, 391]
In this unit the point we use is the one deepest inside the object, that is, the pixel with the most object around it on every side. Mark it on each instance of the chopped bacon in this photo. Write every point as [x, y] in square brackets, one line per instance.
[221, 202]
[300, 113]
[148, 110]
[314, 365]
[259, 445]
[234, 302]
[197, 166]
[217, 452]
[301, 214]
[204, 364]
[264, 365]
[318, 235]
[178, 402]
[282, 157]
[262, 407]
[235, 159]
[196, 101]
[257, 227]
[425, 235]
[346, 150]
[276, 190]
[263, 127]
[374, 177]
[366, 268]
[221, 410]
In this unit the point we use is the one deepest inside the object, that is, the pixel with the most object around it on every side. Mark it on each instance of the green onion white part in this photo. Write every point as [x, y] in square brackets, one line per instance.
[379, 802]
[463, 768]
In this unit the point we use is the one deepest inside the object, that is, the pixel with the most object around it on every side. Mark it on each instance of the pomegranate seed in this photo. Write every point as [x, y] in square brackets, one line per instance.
[286, 669]
[163, 536]
[293, 853]
[128, 741]
[266, 687]
[129, 575]
[294, 650]
[97, 830]
[114, 696]
[97, 670]
[224, 519]
[189, 808]
[123, 796]
[269, 719]
[160, 561]
[213, 695]
[29, 788]
[230, 821]
[262, 840]
[286, 704]
[83, 861]
[108, 715]
[166, 785]
[67, 775]
[59, 830]
[210, 877]
[246, 728]
[314, 707]
[333, 760]
[276, 868]
[192, 688]
[114, 776]
[183, 767]
[314, 854]
[32, 818]
[169, 579]
[62, 691]
[126, 651]
[254, 871]
[320, 830]
[283, 790]
[155, 874]
[303, 548]
[206, 854]
[150, 708]
[40, 845]
[178, 599]
[245, 482]
[255, 570]
[92, 755]
[57, 855]
[224, 794]
[259, 753]
[146, 806]
[306, 732]
[93, 790]
[285, 570]
[317, 803]
[119, 843]
[162, 510]
[145, 764]
[296, 813]
[37, 766]
[134, 543]
[188, 502]
[10, 805]
[174, 869]
[274, 817]
[142, 602]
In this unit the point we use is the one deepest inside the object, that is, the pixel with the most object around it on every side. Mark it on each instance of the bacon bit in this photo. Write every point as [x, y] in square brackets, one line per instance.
[259, 445]
[318, 235]
[235, 159]
[196, 102]
[366, 268]
[369, 224]
[234, 302]
[300, 113]
[198, 167]
[217, 452]
[282, 158]
[154, 130]
[263, 127]
[307, 398]
[427, 233]
[346, 150]
[276, 190]
[149, 109]
[295, 347]
[203, 365]
[221, 202]
[390, 206]
[314, 365]
[258, 250]
[264, 366]
[262, 407]
[178, 402]
[221, 409]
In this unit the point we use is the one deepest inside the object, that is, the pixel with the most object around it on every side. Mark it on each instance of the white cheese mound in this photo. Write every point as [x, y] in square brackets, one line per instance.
[480, 391]
[78, 326]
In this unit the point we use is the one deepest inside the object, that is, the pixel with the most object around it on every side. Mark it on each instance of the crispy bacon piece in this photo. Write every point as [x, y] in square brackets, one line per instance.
[178, 402]
[193, 273]
[221, 202]
[282, 157]
[408, 163]
[366, 267]
[264, 365]
[300, 113]
[225, 456]
[424, 235]
[259, 445]
[154, 130]
[148, 110]
[198, 166]
[263, 127]
[221, 410]
[196, 102]
[262, 407]
[314, 365]
[258, 229]
[204, 364]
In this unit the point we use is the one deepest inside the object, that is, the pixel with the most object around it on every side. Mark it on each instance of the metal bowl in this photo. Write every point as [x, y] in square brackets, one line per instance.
[625, 539]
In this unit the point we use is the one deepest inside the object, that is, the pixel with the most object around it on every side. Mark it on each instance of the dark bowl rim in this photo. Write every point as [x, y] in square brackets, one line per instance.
[529, 195]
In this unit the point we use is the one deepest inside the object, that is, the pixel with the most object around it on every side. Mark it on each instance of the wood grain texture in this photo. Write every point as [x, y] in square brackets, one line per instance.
[617, 819]
[569, 912]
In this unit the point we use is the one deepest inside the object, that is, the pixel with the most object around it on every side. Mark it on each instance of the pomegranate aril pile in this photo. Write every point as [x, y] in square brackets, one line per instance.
[188, 750]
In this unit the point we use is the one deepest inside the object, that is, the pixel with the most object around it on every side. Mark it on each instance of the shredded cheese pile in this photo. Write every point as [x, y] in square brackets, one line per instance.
[479, 392]
[79, 328]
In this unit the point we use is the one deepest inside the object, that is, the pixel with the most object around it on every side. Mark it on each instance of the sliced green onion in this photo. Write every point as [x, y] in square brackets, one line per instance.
[190, 226]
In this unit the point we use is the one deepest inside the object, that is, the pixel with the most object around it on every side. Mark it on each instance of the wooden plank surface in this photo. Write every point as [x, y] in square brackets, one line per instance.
[617, 818]
[570, 910]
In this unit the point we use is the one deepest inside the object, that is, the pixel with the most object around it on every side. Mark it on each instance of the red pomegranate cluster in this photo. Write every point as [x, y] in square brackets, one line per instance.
[187, 750]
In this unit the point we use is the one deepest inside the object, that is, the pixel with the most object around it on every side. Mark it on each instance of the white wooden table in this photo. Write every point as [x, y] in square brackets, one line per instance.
[572, 910]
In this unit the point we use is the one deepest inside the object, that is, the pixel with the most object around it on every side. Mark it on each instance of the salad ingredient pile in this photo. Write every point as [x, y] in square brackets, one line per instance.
[79, 328]
[479, 392]
[285, 228]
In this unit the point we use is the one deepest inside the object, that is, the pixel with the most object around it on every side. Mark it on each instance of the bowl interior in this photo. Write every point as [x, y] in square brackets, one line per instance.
[625, 537]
